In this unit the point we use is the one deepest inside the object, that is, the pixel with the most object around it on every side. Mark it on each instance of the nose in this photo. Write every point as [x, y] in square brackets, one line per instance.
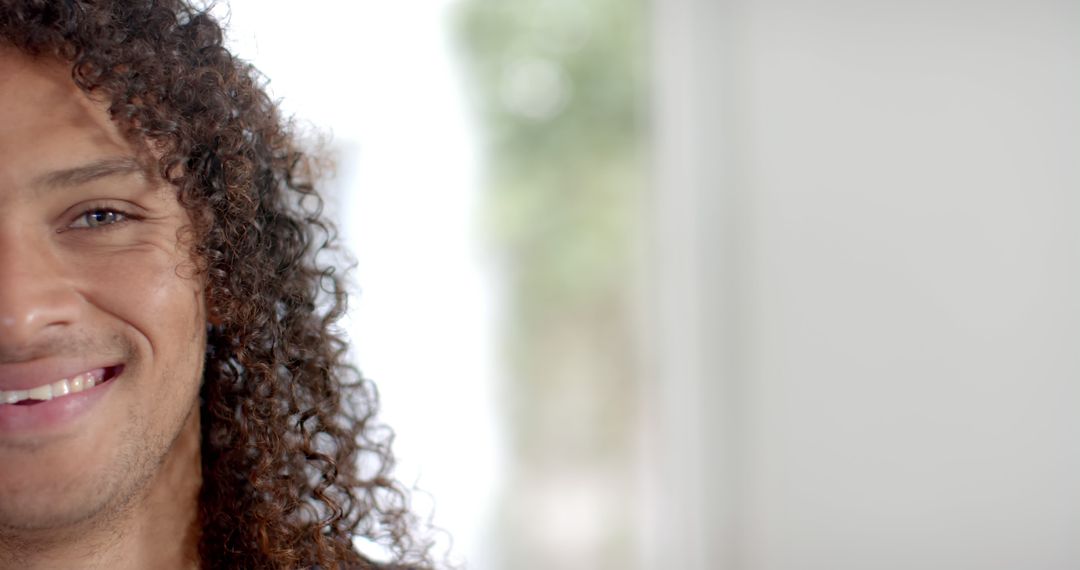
[36, 297]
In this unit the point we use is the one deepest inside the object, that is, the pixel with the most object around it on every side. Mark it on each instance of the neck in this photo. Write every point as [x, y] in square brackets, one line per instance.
[158, 529]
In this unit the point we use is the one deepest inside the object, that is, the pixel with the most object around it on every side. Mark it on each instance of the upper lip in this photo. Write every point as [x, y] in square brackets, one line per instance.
[34, 373]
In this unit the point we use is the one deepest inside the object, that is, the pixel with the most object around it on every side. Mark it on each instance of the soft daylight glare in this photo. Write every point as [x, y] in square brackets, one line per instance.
[782, 285]
[379, 78]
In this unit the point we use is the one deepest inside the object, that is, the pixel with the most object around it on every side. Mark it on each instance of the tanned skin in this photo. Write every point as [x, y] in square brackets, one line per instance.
[95, 272]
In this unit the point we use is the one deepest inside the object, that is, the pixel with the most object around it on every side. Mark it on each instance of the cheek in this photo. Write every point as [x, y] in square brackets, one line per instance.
[148, 294]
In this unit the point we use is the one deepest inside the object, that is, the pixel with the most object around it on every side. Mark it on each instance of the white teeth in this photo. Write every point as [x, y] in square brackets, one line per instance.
[62, 387]
[41, 393]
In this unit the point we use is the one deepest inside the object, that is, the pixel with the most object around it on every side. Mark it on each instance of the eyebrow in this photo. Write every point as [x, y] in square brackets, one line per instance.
[86, 173]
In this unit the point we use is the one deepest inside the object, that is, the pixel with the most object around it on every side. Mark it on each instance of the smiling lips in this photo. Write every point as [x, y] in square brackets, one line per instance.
[57, 389]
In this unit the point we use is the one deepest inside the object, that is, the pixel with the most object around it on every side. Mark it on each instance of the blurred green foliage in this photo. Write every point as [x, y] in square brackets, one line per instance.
[559, 88]
[562, 182]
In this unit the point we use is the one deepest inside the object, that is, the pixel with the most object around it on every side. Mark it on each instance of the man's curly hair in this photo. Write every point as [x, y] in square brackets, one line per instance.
[294, 464]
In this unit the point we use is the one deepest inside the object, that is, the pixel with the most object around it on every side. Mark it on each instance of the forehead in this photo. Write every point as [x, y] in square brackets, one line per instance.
[47, 122]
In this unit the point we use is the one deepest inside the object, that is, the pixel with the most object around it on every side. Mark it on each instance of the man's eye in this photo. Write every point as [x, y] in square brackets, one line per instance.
[97, 218]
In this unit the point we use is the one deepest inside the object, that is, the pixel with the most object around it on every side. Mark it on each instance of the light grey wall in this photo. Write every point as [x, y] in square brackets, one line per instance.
[877, 278]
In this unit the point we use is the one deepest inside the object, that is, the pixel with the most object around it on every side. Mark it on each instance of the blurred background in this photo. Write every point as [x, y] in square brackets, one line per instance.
[710, 284]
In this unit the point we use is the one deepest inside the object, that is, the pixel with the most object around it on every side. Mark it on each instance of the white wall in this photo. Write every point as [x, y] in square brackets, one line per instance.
[887, 284]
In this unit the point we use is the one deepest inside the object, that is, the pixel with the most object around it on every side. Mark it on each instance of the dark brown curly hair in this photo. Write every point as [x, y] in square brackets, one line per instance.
[294, 464]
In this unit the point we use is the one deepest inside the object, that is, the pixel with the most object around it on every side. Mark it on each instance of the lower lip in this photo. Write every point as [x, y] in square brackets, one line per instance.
[53, 415]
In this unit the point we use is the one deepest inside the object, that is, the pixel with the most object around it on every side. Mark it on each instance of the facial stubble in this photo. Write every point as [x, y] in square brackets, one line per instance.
[93, 511]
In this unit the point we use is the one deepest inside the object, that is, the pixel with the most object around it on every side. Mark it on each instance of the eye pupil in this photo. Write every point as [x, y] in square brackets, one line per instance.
[100, 218]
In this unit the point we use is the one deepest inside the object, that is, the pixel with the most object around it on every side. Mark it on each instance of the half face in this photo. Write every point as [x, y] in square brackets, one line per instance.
[102, 317]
